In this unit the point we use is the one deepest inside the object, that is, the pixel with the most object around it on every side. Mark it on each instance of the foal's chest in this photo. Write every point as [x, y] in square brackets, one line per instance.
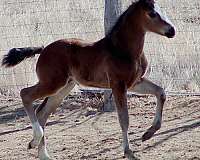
[141, 68]
[129, 72]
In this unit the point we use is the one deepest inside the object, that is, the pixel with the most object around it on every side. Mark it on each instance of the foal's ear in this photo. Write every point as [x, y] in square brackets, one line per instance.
[147, 4]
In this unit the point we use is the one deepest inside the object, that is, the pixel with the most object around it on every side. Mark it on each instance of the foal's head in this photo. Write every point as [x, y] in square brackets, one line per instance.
[153, 20]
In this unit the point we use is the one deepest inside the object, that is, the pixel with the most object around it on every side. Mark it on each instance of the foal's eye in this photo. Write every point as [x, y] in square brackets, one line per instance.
[152, 14]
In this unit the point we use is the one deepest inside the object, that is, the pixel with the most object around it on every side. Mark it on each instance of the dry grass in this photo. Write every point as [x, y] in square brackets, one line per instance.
[174, 63]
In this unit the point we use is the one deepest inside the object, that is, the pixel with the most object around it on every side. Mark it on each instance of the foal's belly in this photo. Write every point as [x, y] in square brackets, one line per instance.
[91, 78]
[99, 77]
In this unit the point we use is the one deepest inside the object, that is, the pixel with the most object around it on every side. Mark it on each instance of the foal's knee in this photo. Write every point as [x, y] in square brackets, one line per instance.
[161, 94]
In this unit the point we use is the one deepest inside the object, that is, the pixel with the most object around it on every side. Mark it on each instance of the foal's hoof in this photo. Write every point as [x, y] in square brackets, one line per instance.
[130, 155]
[149, 133]
[37, 137]
[45, 158]
[31, 145]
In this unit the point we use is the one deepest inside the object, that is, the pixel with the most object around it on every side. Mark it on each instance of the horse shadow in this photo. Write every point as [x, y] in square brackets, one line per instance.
[10, 116]
[178, 128]
[170, 134]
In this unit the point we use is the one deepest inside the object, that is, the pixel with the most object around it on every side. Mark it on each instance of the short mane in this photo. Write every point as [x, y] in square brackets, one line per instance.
[120, 21]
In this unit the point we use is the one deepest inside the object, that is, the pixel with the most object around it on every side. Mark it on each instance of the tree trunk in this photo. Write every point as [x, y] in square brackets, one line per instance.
[112, 12]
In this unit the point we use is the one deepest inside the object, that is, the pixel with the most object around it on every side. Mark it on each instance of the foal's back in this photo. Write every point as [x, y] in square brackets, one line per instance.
[83, 61]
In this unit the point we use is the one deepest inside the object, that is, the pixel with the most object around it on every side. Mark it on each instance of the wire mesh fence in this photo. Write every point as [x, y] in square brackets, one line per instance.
[173, 63]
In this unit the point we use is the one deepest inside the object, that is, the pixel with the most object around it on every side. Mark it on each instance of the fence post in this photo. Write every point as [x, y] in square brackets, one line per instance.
[112, 11]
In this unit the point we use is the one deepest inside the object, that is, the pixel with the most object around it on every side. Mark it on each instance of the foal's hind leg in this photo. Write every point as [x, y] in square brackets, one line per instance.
[147, 87]
[53, 102]
[49, 105]
[30, 94]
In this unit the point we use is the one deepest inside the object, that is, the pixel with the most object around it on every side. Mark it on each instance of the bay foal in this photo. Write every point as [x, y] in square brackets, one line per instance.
[116, 61]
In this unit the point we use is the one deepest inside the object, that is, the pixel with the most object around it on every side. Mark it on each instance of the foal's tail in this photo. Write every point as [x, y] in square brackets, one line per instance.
[17, 55]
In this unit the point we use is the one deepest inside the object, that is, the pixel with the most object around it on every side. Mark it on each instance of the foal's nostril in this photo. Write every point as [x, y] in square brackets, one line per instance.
[170, 33]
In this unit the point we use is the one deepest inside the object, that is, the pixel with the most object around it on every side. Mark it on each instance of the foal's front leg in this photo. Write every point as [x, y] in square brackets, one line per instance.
[120, 96]
[147, 87]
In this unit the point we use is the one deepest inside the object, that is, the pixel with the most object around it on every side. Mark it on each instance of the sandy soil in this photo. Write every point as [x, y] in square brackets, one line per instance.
[78, 131]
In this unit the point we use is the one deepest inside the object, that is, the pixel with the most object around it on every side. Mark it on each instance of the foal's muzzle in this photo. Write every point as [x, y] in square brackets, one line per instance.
[170, 33]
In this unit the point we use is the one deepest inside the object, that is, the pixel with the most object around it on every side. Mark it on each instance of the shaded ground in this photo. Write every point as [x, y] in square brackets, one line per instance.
[78, 131]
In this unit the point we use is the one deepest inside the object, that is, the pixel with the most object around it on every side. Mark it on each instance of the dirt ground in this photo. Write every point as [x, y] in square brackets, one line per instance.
[79, 131]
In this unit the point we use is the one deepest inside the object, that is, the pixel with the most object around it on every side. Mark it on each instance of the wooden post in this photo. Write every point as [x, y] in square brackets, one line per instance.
[113, 9]
[112, 12]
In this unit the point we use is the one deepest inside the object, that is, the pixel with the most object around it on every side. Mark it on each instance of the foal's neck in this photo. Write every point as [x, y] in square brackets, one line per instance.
[129, 39]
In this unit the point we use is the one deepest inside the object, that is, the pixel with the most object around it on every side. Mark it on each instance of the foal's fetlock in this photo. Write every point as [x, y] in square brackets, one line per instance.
[38, 137]
[38, 134]
[157, 125]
